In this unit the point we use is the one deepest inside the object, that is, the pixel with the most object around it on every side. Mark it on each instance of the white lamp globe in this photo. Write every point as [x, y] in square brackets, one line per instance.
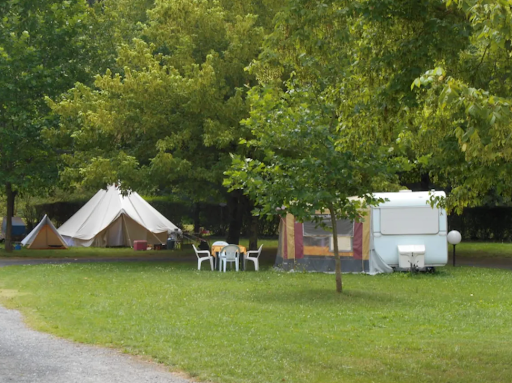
[454, 237]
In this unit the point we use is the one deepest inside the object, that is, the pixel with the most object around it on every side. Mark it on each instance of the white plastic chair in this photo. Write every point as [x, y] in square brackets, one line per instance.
[230, 253]
[219, 243]
[201, 259]
[254, 259]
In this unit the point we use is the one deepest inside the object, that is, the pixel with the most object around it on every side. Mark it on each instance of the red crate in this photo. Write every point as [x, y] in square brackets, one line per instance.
[140, 245]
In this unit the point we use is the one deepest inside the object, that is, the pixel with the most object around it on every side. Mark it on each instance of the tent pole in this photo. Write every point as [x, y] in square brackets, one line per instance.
[154, 235]
[127, 232]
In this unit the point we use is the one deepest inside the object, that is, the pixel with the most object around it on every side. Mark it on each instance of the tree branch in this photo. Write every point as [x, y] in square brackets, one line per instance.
[481, 61]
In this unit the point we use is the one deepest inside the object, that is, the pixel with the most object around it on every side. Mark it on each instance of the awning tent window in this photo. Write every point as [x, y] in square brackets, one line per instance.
[318, 234]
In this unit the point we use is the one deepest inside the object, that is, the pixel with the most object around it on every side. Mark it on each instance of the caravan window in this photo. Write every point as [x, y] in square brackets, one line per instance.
[409, 220]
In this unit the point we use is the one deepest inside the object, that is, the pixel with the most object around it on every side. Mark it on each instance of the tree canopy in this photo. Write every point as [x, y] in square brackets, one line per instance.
[428, 80]
[45, 46]
[169, 118]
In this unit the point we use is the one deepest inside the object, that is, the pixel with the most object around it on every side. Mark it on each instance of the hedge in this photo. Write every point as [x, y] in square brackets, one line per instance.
[483, 224]
[211, 216]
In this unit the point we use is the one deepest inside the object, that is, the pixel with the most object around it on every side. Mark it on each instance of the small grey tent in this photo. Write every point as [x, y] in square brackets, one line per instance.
[44, 236]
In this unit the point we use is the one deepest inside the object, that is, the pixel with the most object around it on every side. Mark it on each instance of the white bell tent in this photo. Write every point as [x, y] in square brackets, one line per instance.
[111, 219]
[44, 236]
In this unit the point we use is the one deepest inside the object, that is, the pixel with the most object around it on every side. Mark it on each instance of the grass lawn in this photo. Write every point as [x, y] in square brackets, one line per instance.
[97, 252]
[451, 326]
[464, 250]
[85, 252]
[483, 250]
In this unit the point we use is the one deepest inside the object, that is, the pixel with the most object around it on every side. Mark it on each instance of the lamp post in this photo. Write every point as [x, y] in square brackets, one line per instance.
[454, 239]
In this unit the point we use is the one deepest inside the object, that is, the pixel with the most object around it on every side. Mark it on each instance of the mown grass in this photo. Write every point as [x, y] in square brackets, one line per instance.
[483, 250]
[84, 252]
[451, 326]
[124, 252]
[464, 250]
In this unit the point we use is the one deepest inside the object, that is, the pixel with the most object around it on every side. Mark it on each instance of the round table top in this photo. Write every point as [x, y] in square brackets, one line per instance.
[217, 248]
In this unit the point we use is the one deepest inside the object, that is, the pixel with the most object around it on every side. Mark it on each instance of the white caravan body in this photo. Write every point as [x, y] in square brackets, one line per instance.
[406, 231]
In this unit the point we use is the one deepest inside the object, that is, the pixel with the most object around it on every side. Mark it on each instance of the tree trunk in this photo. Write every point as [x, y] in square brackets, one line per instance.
[337, 260]
[10, 212]
[235, 223]
[197, 221]
[425, 182]
[253, 229]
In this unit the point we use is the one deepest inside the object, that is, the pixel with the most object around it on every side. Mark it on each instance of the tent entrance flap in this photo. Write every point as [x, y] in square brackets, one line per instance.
[123, 231]
[115, 233]
[130, 243]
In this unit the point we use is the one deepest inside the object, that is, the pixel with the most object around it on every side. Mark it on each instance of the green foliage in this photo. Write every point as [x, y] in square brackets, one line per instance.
[44, 49]
[3, 208]
[368, 58]
[121, 21]
[467, 107]
[45, 46]
[269, 326]
[300, 166]
[170, 116]
[359, 59]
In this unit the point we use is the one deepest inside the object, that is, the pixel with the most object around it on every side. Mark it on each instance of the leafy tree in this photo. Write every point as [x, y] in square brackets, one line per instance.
[453, 131]
[348, 66]
[118, 22]
[170, 118]
[45, 46]
[466, 107]
[304, 167]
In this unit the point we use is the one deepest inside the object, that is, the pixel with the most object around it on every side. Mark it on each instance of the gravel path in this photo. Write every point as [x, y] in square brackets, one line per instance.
[28, 356]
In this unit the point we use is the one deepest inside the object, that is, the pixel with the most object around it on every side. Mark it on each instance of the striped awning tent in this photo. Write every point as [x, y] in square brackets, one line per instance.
[309, 245]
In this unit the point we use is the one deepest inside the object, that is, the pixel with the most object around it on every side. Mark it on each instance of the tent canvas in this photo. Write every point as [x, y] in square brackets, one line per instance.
[374, 245]
[111, 219]
[44, 236]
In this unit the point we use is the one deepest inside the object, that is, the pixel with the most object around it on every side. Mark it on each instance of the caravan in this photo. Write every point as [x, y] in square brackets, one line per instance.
[401, 233]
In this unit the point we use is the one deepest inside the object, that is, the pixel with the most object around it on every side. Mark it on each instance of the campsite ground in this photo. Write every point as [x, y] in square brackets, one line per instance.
[472, 251]
[273, 326]
[269, 247]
